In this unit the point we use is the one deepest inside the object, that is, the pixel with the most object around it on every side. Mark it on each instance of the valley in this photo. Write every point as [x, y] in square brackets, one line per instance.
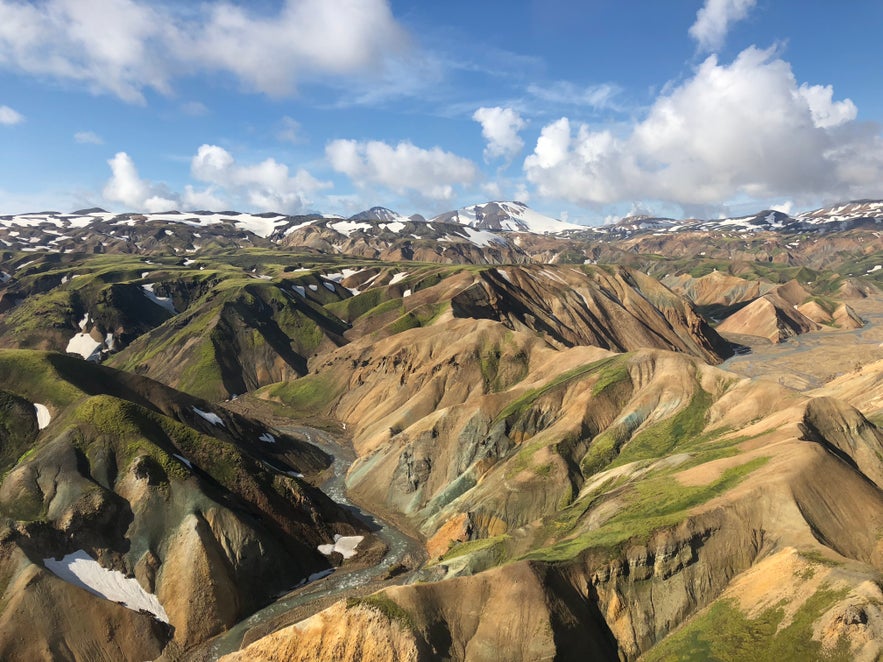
[513, 438]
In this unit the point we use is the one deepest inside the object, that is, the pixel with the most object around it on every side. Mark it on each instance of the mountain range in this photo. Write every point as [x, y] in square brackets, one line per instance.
[486, 435]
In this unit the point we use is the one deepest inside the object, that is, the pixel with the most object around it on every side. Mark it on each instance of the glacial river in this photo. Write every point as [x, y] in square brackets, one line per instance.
[339, 583]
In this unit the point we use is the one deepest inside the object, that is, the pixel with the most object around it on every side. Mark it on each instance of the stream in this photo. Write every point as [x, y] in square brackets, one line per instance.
[808, 361]
[338, 583]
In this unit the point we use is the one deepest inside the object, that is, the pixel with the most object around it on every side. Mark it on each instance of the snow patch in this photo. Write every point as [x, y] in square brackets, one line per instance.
[348, 227]
[343, 545]
[406, 293]
[267, 437]
[187, 463]
[82, 570]
[395, 226]
[482, 238]
[299, 289]
[165, 302]
[43, 416]
[211, 417]
[84, 345]
[399, 277]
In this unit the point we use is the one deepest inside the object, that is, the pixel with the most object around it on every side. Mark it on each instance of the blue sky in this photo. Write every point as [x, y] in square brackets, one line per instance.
[585, 110]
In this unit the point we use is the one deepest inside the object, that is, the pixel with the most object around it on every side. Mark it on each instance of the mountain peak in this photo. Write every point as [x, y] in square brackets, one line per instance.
[378, 215]
[512, 216]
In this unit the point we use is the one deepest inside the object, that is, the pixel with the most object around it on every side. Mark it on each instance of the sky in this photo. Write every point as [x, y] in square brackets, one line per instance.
[585, 110]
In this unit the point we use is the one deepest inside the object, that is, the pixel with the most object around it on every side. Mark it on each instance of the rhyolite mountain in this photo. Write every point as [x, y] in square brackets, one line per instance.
[208, 510]
[553, 414]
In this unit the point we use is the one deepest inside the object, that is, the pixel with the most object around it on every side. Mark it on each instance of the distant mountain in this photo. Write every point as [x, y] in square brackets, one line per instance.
[477, 234]
[381, 215]
[506, 216]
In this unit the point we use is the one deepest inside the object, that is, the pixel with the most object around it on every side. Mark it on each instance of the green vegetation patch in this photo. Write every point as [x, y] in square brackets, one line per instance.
[496, 546]
[310, 395]
[385, 606]
[652, 504]
[354, 307]
[421, 316]
[665, 437]
[521, 404]
[30, 374]
[724, 634]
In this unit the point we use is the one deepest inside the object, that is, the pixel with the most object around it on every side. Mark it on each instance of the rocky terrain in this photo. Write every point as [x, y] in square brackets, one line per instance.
[652, 440]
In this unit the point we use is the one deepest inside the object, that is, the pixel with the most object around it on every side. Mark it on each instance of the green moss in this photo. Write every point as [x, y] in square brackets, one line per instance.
[132, 430]
[496, 546]
[489, 364]
[310, 395]
[384, 605]
[665, 437]
[652, 504]
[815, 556]
[531, 396]
[612, 371]
[723, 633]
[418, 317]
[30, 374]
[603, 450]
[354, 307]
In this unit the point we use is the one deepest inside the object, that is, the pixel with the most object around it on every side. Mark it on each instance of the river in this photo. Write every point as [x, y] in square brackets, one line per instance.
[339, 583]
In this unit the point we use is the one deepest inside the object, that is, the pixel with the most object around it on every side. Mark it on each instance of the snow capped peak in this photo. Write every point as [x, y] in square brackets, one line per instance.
[508, 216]
[379, 215]
[847, 211]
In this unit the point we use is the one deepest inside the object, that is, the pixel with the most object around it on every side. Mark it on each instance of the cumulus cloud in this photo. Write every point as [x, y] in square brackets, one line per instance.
[826, 112]
[714, 19]
[107, 45]
[269, 53]
[127, 187]
[267, 185]
[8, 116]
[746, 128]
[126, 47]
[500, 127]
[403, 168]
[88, 138]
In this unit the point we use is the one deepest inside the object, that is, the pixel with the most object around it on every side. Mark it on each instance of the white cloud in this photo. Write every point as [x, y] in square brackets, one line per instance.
[194, 108]
[127, 47]
[500, 127]
[565, 93]
[269, 53]
[88, 138]
[826, 112]
[786, 207]
[127, 187]
[404, 168]
[744, 129]
[289, 131]
[206, 199]
[9, 117]
[713, 21]
[107, 45]
[267, 185]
